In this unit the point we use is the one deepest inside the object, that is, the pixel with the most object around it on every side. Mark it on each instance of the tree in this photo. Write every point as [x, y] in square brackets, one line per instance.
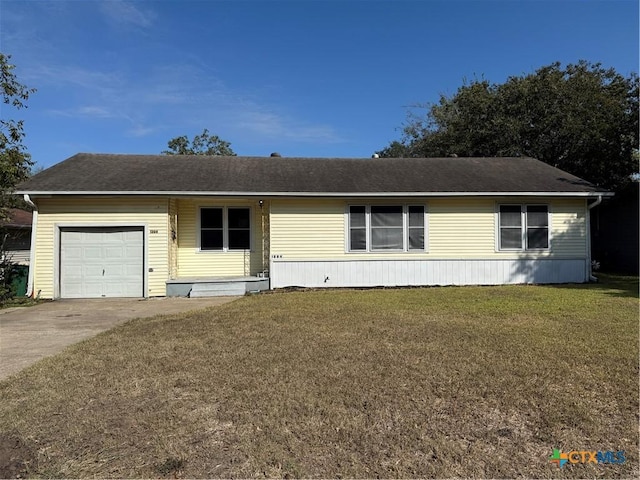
[395, 149]
[582, 118]
[203, 144]
[15, 162]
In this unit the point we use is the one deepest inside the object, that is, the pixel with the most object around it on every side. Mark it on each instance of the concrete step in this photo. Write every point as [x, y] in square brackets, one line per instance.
[218, 289]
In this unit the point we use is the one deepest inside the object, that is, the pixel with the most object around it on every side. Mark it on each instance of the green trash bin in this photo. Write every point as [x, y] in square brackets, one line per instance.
[19, 276]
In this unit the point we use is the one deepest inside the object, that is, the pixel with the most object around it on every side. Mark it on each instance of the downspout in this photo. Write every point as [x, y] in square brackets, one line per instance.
[32, 249]
[589, 207]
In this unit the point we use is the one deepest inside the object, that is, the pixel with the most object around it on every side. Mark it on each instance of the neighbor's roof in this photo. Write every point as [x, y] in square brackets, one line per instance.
[17, 218]
[86, 173]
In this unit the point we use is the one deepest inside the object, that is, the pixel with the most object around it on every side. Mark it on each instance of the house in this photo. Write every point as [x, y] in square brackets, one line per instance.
[156, 225]
[16, 236]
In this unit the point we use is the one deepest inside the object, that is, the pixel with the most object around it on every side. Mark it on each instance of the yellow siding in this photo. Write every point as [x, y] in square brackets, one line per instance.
[315, 229]
[569, 228]
[307, 228]
[466, 228]
[195, 263]
[462, 228]
[62, 211]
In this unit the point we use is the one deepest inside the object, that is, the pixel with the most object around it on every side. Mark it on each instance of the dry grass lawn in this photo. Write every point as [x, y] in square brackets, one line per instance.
[433, 382]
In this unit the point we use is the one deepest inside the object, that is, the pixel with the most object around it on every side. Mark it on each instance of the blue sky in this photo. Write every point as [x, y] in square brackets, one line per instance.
[303, 78]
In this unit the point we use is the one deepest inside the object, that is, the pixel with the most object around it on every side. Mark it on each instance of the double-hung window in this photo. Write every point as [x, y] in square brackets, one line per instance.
[358, 228]
[386, 228]
[225, 228]
[523, 227]
[238, 228]
[211, 228]
[537, 226]
[415, 228]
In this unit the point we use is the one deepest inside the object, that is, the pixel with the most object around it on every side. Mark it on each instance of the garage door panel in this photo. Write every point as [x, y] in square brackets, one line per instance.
[101, 262]
[74, 237]
[91, 290]
[73, 290]
[112, 271]
[132, 270]
[118, 289]
[117, 253]
[122, 273]
[75, 270]
[74, 253]
[113, 289]
[111, 238]
[91, 252]
[89, 272]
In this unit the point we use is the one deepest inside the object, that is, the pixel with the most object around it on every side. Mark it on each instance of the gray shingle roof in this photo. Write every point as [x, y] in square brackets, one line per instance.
[193, 174]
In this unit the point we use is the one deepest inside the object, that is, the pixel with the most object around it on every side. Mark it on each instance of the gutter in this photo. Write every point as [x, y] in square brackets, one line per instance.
[32, 250]
[250, 194]
[590, 275]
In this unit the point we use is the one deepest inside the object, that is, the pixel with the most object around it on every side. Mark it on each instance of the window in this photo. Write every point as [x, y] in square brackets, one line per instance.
[510, 227]
[537, 227]
[239, 228]
[416, 227]
[225, 228]
[357, 229]
[211, 229]
[526, 225]
[386, 228]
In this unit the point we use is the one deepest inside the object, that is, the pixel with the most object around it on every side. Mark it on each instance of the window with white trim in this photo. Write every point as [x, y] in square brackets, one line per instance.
[225, 228]
[373, 228]
[386, 227]
[239, 228]
[357, 228]
[211, 228]
[415, 227]
[523, 227]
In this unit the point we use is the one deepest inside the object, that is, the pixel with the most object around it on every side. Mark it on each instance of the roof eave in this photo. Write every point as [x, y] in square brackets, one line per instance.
[16, 226]
[321, 194]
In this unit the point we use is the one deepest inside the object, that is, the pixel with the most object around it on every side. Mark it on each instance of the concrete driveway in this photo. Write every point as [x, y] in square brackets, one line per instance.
[28, 334]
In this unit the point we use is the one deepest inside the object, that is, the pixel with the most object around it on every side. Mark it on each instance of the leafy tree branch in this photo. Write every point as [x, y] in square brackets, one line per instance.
[15, 162]
[582, 118]
[203, 144]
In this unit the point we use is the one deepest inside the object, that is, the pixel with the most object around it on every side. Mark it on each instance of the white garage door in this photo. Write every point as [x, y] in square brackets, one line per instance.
[101, 262]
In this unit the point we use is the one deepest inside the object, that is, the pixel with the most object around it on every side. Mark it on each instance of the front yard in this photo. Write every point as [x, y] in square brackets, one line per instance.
[433, 382]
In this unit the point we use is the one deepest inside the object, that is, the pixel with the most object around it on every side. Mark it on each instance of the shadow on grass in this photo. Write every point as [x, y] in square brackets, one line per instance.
[610, 284]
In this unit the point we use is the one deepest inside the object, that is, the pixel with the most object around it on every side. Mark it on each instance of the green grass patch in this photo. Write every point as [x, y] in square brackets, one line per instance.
[20, 302]
[425, 382]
